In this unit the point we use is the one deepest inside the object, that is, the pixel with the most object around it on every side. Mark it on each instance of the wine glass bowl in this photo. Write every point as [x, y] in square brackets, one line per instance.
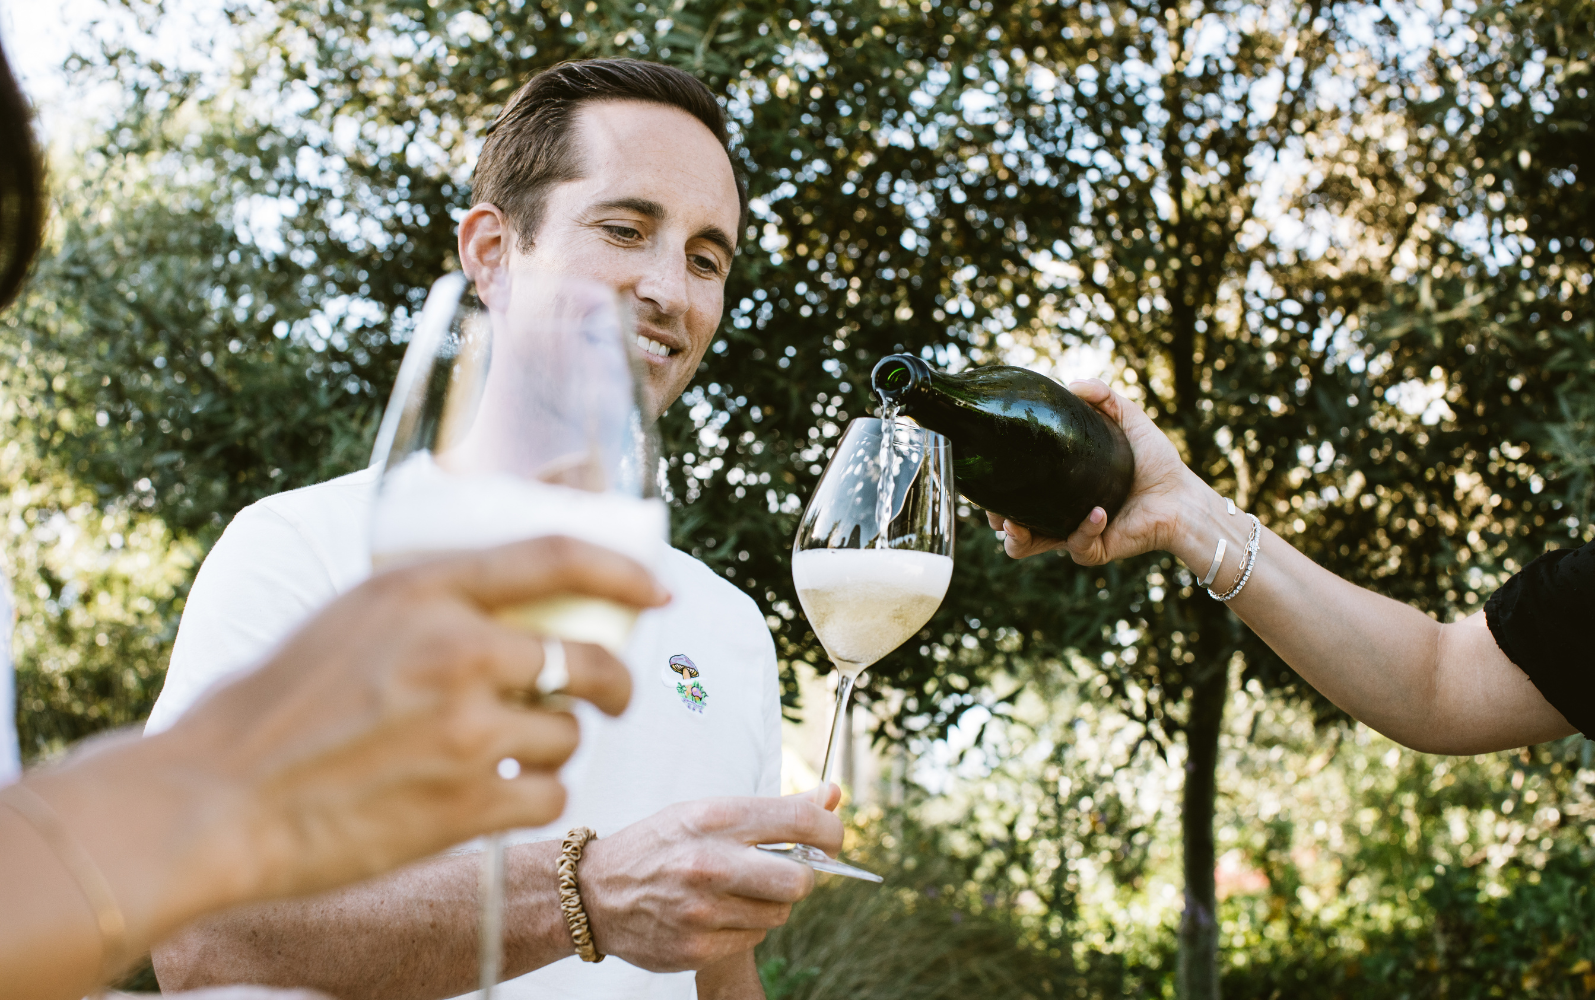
[516, 415]
[871, 565]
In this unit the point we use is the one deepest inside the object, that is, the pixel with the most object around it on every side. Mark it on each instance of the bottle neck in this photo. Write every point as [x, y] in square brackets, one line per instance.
[899, 377]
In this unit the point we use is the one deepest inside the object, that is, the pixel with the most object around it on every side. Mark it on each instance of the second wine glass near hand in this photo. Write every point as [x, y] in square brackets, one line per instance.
[515, 415]
[872, 561]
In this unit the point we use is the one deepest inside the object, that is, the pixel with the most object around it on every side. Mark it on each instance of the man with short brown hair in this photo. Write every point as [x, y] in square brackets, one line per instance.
[618, 171]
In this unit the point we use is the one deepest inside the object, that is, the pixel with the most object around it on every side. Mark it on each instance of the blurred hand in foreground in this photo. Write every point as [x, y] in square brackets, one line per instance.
[370, 738]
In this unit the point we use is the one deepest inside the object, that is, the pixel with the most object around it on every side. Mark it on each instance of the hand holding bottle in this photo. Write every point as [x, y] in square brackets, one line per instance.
[1150, 515]
[1436, 687]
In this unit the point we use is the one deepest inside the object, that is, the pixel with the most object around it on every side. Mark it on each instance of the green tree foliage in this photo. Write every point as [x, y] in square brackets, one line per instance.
[1340, 251]
[98, 593]
[178, 387]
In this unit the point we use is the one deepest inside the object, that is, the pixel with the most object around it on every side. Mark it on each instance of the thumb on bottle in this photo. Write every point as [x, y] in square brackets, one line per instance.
[1092, 390]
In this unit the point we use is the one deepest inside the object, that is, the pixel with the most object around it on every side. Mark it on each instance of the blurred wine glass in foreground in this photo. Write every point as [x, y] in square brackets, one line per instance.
[515, 415]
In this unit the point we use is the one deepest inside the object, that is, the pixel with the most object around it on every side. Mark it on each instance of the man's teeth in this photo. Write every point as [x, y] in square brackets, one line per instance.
[653, 346]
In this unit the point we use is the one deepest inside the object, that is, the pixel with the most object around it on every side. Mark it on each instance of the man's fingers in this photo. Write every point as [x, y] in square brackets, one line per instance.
[738, 913]
[793, 819]
[827, 796]
[760, 875]
[539, 568]
[833, 797]
[595, 675]
[730, 942]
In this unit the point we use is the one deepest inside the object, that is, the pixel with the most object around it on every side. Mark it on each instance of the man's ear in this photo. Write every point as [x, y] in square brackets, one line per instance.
[484, 243]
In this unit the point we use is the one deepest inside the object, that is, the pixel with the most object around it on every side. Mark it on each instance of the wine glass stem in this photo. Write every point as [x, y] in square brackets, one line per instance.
[490, 928]
[833, 749]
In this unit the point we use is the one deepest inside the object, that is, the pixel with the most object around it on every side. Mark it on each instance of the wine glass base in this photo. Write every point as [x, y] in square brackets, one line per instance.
[818, 860]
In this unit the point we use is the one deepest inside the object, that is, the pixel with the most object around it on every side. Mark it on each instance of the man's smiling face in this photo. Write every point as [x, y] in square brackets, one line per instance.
[653, 216]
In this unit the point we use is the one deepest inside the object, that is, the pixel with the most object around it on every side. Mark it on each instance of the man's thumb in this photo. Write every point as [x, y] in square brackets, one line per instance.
[827, 796]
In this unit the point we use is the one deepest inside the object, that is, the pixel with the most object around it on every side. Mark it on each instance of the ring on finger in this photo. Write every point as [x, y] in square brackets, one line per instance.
[555, 675]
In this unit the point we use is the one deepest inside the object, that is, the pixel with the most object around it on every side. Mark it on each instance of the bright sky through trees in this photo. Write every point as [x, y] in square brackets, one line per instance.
[40, 37]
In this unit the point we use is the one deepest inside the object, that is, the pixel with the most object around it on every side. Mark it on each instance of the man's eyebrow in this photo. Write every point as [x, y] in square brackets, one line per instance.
[642, 206]
[717, 236]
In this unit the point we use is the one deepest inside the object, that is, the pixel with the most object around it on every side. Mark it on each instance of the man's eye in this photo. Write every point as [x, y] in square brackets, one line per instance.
[706, 263]
[623, 232]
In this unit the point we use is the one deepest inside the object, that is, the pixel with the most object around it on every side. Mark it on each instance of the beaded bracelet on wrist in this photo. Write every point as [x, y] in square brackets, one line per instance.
[570, 897]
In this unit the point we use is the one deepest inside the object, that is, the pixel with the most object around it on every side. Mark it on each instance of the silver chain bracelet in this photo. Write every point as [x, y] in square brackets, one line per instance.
[1253, 542]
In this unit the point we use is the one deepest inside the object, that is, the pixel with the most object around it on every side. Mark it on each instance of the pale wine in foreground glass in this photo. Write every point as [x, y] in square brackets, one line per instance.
[515, 415]
[871, 562]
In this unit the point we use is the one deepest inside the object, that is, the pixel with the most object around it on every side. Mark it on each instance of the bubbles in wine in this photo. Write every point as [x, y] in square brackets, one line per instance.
[864, 603]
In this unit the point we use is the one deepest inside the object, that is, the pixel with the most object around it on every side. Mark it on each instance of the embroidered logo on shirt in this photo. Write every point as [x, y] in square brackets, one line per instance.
[694, 694]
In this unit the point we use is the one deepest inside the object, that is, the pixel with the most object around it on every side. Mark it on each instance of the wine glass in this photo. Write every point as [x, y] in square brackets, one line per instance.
[516, 415]
[872, 560]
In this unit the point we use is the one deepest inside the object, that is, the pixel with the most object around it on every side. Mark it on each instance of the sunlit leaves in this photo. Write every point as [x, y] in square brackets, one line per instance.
[1256, 218]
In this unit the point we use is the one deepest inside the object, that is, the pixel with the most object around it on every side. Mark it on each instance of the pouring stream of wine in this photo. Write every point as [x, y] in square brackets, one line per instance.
[883, 495]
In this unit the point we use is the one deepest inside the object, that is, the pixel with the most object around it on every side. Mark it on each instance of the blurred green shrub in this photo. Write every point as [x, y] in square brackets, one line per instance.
[1522, 932]
[933, 931]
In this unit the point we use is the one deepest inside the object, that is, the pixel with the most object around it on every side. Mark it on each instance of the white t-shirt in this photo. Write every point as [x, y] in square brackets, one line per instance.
[285, 557]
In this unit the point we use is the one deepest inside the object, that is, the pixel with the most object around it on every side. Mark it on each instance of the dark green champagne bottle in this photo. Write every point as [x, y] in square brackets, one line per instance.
[1023, 445]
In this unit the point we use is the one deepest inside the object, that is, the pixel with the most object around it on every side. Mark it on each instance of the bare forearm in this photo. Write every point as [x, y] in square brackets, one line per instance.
[1362, 651]
[1441, 688]
[124, 820]
[49, 945]
[407, 936]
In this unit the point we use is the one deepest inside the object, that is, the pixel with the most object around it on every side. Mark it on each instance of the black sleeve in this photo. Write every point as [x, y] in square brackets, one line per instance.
[1544, 621]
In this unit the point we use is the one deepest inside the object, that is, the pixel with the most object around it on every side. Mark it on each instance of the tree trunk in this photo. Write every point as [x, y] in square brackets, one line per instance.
[1198, 971]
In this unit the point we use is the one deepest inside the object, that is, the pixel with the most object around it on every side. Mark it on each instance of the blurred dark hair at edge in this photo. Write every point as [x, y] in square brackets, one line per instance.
[21, 187]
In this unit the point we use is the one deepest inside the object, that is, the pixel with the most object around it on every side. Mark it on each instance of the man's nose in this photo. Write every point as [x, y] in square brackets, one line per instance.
[664, 283]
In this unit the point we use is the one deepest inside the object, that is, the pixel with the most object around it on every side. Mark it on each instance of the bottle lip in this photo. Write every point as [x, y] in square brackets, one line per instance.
[898, 374]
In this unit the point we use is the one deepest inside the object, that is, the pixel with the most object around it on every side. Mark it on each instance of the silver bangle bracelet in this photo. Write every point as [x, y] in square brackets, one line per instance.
[1218, 553]
[1253, 542]
[1218, 560]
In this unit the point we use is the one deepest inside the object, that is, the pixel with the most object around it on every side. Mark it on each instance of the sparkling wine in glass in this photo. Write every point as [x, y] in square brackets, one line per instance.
[516, 415]
[872, 560]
